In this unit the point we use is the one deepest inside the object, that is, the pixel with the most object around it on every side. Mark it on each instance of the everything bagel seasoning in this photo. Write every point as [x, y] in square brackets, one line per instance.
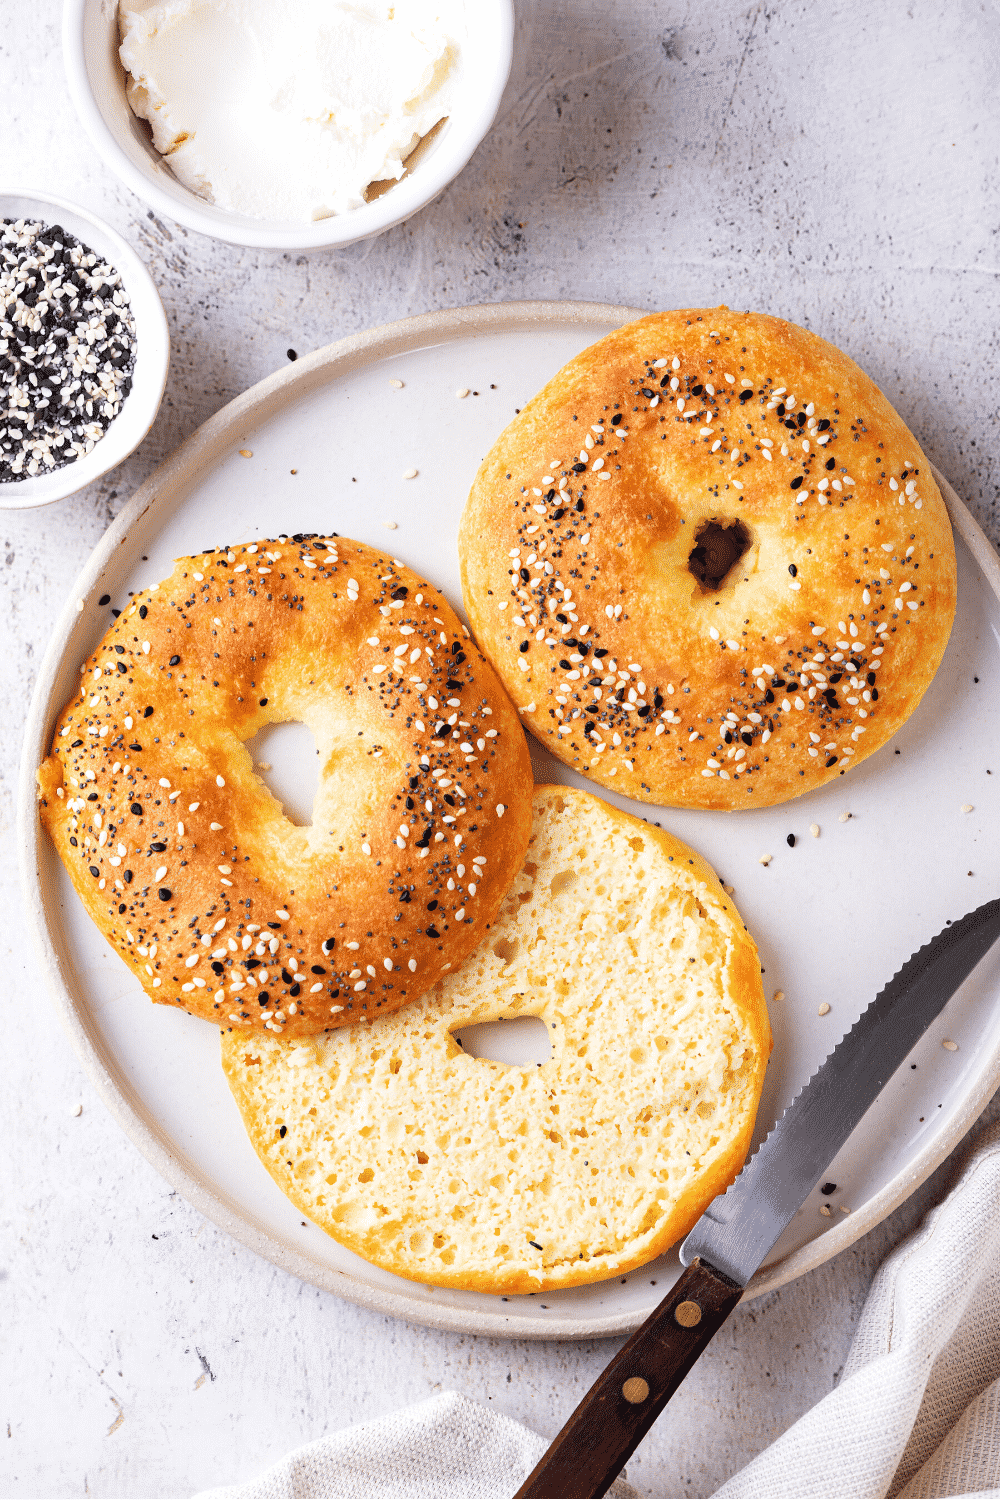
[67, 348]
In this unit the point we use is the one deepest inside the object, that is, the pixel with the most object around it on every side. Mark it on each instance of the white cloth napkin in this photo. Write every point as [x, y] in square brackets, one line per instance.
[916, 1413]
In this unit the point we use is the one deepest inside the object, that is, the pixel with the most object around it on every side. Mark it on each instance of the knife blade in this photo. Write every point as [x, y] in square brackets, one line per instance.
[740, 1226]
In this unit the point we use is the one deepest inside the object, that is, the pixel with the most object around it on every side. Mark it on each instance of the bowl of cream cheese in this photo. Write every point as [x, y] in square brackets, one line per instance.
[287, 124]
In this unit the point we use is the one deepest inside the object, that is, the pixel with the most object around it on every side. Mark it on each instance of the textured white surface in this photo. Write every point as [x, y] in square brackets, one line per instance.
[835, 165]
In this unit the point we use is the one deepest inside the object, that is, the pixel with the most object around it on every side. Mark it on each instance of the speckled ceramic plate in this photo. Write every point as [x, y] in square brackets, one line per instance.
[835, 916]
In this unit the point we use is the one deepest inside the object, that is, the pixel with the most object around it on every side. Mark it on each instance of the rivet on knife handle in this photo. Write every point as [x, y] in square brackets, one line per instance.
[627, 1398]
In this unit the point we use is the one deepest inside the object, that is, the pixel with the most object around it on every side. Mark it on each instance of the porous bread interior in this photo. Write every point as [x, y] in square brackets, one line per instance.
[465, 1172]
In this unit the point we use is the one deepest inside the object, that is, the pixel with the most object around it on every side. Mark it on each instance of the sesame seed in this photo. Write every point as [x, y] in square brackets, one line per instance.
[950, 1046]
[246, 453]
[410, 473]
[824, 1009]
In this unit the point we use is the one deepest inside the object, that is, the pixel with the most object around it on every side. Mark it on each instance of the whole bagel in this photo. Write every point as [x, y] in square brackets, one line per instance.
[182, 856]
[710, 562]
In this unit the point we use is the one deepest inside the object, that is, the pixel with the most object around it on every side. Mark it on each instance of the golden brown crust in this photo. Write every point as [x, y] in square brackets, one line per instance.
[848, 574]
[184, 859]
[455, 1170]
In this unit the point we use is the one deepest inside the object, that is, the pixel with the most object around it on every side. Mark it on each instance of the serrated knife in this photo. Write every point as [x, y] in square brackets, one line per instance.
[741, 1225]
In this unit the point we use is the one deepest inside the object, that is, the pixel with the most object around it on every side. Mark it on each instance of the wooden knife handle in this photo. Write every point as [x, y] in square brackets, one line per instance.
[625, 1401]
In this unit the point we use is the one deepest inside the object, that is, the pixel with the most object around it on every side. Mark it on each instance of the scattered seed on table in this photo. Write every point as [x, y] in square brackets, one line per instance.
[950, 1046]
[67, 348]
[766, 859]
[790, 840]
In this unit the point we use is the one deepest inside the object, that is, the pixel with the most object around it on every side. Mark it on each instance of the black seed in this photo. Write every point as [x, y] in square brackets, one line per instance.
[317, 969]
[409, 804]
[121, 908]
[645, 391]
[792, 569]
[828, 1188]
[800, 418]
[121, 666]
[600, 651]
[535, 1243]
[745, 396]
[588, 726]
[157, 848]
[92, 797]
[768, 696]
[795, 482]
[283, 1131]
[137, 809]
[830, 464]
[104, 599]
[643, 711]
[432, 906]
[120, 650]
[524, 645]
[665, 381]
[147, 711]
[405, 898]
[874, 695]
[747, 738]
[578, 468]
[696, 390]
[563, 620]
[163, 893]
[263, 702]
[94, 871]
[871, 678]
[74, 842]
[127, 876]
[135, 746]
[173, 661]
[616, 419]
[433, 932]
[143, 611]
[832, 761]
[76, 744]
[218, 968]
[286, 976]
[728, 737]
[781, 408]
[836, 676]
[414, 781]
[524, 575]
[399, 593]
[296, 989]
[579, 505]
[564, 664]
[823, 424]
[790, 841]
[263, 998]
[557, 515]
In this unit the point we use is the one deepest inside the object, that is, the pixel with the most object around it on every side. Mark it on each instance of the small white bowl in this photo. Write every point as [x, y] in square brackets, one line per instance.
[97, 85]
[152, 352]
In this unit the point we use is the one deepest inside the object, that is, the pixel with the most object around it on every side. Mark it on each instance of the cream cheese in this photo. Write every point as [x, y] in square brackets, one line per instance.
[290, 109]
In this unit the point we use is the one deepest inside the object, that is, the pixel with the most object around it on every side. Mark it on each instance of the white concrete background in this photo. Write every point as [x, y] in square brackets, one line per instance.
[833, 163]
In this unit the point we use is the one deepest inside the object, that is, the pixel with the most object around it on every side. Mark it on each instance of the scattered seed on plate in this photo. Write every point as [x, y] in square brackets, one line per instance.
[826, 1210]
[409, 473]
[246, 453]
[76, 1111]
[967, 807]
[814, 830]
[462, 392]
[779, 995]
[824, 1009]
[397, 385]
[950, 1046]
[67, 348]
[766, 859]
[389, 525]
[845, 817]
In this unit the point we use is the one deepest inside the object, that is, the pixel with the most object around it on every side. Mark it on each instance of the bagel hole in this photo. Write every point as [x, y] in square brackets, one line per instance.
[286, 759]
[523, 1041]
[718, 547]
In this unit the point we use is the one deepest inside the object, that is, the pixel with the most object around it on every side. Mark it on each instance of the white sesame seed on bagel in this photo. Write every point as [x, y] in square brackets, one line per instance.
[737, 578]
[215, 900]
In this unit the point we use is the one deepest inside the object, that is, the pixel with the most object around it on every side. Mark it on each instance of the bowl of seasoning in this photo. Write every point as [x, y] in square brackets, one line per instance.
[84, 349]
[287, 130]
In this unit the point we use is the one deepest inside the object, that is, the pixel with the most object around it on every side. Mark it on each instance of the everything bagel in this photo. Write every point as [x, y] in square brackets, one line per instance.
[735, 580]
[182, 856]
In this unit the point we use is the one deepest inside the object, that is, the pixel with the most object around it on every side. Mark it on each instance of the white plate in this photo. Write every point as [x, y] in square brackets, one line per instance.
[834, 916]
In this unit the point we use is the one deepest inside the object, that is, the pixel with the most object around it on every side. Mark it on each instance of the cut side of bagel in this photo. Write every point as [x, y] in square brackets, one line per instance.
[460, 1171]
[737, 580]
